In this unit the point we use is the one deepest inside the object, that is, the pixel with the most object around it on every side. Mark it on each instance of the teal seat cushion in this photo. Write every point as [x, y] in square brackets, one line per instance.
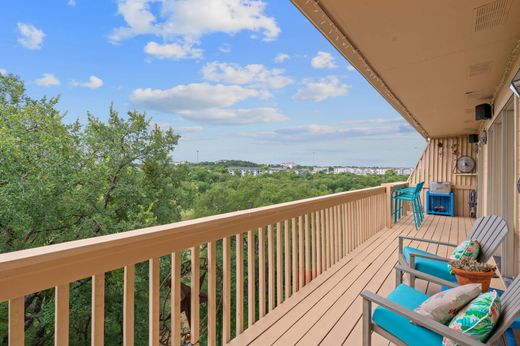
[400, 326]
[429, 266]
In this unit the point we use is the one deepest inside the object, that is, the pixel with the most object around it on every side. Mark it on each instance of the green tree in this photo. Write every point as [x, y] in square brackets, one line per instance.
[62, 182]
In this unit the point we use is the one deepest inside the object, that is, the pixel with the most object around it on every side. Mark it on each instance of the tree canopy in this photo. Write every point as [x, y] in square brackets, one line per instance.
[64, 181]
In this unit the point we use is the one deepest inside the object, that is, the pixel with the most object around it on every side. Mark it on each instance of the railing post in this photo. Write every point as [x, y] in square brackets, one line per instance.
[389, 189]
[389, 221]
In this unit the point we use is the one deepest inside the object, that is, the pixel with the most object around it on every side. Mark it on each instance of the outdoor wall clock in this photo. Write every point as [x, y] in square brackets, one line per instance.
[465, 164]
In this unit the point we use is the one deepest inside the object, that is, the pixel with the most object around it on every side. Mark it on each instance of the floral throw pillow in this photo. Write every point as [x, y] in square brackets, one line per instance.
[477, 319]
[443, 306]
[467, 249]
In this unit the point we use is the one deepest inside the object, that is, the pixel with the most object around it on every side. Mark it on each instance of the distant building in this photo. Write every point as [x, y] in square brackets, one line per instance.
[339, 170]
[370, 170]
[272, 170]
[243, 171]
[320, 169]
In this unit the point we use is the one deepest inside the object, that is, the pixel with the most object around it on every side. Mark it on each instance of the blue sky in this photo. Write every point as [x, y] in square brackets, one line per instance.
[237, 79]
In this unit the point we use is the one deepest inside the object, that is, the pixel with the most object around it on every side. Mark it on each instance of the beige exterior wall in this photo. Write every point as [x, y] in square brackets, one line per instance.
[501, 99]
[438, 163]
[517, 176]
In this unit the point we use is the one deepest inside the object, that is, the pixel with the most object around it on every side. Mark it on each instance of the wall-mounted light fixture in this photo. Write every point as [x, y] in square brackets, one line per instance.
[515, 84]
[483, 137]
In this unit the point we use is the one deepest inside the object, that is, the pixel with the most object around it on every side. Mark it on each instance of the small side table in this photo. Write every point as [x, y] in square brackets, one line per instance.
[440, 203]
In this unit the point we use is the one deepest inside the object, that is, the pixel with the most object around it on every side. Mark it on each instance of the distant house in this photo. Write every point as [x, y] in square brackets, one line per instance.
[272, 170]
[243, 171]
[339, 170]
[289, 165]
[320, 169]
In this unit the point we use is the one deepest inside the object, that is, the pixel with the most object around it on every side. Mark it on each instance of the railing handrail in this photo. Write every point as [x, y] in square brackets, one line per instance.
[26, 271]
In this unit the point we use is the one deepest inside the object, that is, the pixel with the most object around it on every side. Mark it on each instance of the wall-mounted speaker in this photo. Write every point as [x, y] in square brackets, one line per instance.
[473, 138]
[483, 111]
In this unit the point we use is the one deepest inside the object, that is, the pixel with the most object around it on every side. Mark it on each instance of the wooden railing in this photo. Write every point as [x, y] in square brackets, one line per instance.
[285, 247]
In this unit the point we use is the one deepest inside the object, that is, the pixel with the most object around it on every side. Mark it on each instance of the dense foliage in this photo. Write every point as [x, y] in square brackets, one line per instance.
[60, 182]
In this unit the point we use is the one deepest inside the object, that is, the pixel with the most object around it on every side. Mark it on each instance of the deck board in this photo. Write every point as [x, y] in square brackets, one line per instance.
[328, 310]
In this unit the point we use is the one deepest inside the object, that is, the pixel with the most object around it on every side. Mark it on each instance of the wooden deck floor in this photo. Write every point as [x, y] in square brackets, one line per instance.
[328, 310]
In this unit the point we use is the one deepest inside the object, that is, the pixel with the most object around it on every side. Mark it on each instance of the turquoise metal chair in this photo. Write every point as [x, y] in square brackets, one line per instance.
[396, 320]
[411, 195]
[489, 231]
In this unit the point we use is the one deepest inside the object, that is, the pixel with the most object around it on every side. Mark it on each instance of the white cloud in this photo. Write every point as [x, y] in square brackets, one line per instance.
[29, 36]
[236, 116]
[184, 22]
[253, 74]
[195, 96]
[189, 129]
[92, 83]
[204, 102]
[3, 71]
[71, 3]
[323, 60]
[367, 128]
[47, 80]
[322, 89]
[350, 68]
[172, 51]
[281, 57]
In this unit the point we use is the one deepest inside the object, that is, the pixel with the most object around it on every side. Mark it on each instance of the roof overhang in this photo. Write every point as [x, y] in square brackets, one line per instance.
[433, 61]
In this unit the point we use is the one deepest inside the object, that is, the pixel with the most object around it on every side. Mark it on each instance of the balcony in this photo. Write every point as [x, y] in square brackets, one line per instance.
[298, 269]
[328, 310]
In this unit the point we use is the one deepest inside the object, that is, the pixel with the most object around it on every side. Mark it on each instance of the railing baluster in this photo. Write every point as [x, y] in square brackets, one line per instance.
[175, 303]
[332, 237]
[328, 241]
[16, 321]
[279, 260]
[226, 290]
[355, 219]
[98, 310]
[212, 293]
[261, 271]
[340, 231]
[301, 253]
[345, 227]
[128, 305]
[350, 222]
[307, 250]
[340, 234]
[370, 220]
[294, 257]
[61, 318]
[335, 233]
[251, 279]
[313, 246]
[195, 291]
[270, 266]
[287, 253]
[239, 283]
[153, 297]
[323, 228]
[319, 237]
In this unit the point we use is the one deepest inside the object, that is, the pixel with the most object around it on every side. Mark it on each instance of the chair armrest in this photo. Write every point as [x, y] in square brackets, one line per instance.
[424, 276]
[402, 237]
[428, 256]
[420, 320]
